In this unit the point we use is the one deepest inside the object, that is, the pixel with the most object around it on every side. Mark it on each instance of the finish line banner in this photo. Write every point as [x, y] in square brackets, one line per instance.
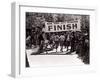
[62, 26]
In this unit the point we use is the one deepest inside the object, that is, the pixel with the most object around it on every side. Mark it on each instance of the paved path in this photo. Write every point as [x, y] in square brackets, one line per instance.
[48, 60]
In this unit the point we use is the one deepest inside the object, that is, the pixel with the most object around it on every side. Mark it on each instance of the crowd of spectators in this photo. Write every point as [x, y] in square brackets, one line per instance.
[73, 41]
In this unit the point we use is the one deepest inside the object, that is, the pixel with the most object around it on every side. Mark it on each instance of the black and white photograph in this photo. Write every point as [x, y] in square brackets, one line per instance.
[52, 35]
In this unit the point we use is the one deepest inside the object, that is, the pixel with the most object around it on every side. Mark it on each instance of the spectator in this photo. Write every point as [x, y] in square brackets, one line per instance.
[72, 42]
[56, 41]
[67, 41]
[62, 39]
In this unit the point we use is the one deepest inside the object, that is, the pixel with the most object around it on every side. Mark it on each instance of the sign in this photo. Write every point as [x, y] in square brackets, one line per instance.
[62, 26]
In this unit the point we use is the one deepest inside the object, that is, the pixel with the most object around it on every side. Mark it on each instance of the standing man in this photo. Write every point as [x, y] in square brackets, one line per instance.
[41, 42]
[56, 41]
[72, 42]
[67, 41]
[62, 39]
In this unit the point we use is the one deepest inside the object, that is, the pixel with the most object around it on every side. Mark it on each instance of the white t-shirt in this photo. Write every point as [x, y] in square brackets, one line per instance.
[62, 38]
